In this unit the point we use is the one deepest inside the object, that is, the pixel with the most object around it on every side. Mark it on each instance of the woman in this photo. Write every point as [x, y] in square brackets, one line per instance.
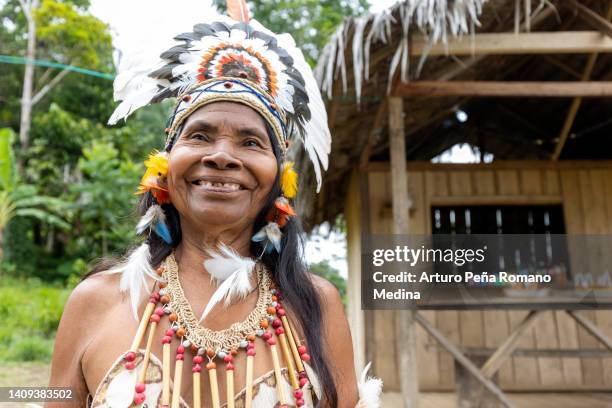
[222, 242]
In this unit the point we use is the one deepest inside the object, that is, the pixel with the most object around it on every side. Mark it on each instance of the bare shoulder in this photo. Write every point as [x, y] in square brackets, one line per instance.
[333, 308]
[87, 302]
[325, 288]
[338, 339]
[93, 294]
[80, 319]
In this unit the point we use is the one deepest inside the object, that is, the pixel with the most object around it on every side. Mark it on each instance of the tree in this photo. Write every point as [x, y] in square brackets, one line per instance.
[69, 36]
[22, 200]
[310, 22]
[105, 198]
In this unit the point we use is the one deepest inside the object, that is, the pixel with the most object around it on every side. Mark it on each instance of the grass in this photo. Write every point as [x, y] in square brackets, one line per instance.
[30, 312]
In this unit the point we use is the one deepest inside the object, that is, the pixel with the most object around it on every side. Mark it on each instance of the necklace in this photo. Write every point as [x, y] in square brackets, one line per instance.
[268, 320]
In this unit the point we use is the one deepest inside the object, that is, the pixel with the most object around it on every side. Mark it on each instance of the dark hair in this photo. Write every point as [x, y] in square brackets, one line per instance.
[288, 268]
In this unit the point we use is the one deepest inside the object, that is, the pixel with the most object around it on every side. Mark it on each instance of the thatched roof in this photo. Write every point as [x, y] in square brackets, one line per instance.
[369, 56]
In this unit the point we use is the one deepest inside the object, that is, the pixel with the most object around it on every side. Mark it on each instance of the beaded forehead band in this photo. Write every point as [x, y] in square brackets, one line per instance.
[226, 89]
[242, 62]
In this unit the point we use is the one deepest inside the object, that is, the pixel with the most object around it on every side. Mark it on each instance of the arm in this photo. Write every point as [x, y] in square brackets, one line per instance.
[337, 338]
[73, 335]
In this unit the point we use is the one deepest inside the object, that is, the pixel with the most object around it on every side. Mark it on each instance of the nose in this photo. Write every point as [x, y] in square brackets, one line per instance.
[221, 159]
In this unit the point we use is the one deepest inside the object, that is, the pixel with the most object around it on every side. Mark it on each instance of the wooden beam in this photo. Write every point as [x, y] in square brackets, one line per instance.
[495, 165]
[405, 327]
[591, 328]
[462, 359]
[546, 89]
[575, 106]
[494, 363]
[377, 127]
[560, 64]
[589, 16]
[557, 42]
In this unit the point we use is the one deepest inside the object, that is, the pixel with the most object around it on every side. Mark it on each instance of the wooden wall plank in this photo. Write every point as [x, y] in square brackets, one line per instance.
[448, 323]
[527, 373]
[546, 336]
[427, 355]
[484, 183]
[568, 339]
[531, 181]
[552, 185]
[591, 367]
[508, 182]
[460, 183]
[497, 330]
[574, 224]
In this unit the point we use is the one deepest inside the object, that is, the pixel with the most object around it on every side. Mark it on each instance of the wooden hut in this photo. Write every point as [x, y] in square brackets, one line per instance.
[527, 83]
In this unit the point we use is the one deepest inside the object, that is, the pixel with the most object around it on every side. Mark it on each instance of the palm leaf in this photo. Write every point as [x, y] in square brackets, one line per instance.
[43, 216]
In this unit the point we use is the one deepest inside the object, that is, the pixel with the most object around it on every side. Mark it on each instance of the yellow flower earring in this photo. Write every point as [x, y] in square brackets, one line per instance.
[154, 181]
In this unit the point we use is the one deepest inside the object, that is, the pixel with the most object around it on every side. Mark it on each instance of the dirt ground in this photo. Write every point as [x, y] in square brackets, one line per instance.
[24, 374]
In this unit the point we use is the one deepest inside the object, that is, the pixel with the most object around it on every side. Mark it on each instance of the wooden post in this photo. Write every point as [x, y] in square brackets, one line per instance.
[355, 207]
[405, 327]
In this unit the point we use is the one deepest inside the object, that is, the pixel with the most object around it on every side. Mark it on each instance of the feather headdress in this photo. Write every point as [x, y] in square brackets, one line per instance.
[241, 61]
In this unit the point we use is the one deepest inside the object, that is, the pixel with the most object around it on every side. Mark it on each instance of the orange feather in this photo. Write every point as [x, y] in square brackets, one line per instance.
[238, 10]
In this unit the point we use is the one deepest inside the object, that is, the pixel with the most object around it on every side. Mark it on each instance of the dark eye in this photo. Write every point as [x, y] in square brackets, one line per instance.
[199, 136]
[252, 142]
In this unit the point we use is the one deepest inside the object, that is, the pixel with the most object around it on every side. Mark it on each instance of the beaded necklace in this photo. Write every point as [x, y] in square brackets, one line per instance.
[168, 299]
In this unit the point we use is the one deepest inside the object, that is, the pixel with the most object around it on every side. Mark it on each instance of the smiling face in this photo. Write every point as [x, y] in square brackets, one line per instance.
[222, 167]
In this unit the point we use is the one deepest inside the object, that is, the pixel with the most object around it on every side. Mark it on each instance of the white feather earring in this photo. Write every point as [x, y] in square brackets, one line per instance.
[370, 389]
[133, 275]
[155, 220]
[232, 273]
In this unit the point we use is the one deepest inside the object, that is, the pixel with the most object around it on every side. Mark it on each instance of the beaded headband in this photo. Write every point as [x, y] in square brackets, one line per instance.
[226, 89]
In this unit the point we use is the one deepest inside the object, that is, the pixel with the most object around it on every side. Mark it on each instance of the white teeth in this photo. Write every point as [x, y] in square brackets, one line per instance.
[228, 186]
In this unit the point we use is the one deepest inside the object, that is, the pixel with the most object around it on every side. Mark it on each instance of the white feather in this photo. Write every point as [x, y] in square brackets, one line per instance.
[369, 389]
[233, 271]
[153, 215]
[314, 380]
[134, 271]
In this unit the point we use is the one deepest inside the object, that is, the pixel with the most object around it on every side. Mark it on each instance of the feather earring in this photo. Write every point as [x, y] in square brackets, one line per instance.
[270, 237]
[289, 180]
[233, 274]
[370, 389]
[134, 271]
[155, 220]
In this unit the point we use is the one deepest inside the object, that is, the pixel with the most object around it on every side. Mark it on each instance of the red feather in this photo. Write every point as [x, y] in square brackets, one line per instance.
[238, 10]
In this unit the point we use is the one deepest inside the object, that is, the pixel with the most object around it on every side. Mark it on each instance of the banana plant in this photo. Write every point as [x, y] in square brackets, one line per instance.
[23, 200]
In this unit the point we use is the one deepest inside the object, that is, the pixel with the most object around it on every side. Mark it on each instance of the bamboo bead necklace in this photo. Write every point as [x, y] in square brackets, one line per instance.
[217, 346]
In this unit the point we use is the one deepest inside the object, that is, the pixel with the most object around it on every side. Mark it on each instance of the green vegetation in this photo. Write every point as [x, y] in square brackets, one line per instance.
[67, 184]
[30, 312]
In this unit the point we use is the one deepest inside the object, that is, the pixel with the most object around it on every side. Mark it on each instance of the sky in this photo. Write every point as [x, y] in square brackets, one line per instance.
[138, 25]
